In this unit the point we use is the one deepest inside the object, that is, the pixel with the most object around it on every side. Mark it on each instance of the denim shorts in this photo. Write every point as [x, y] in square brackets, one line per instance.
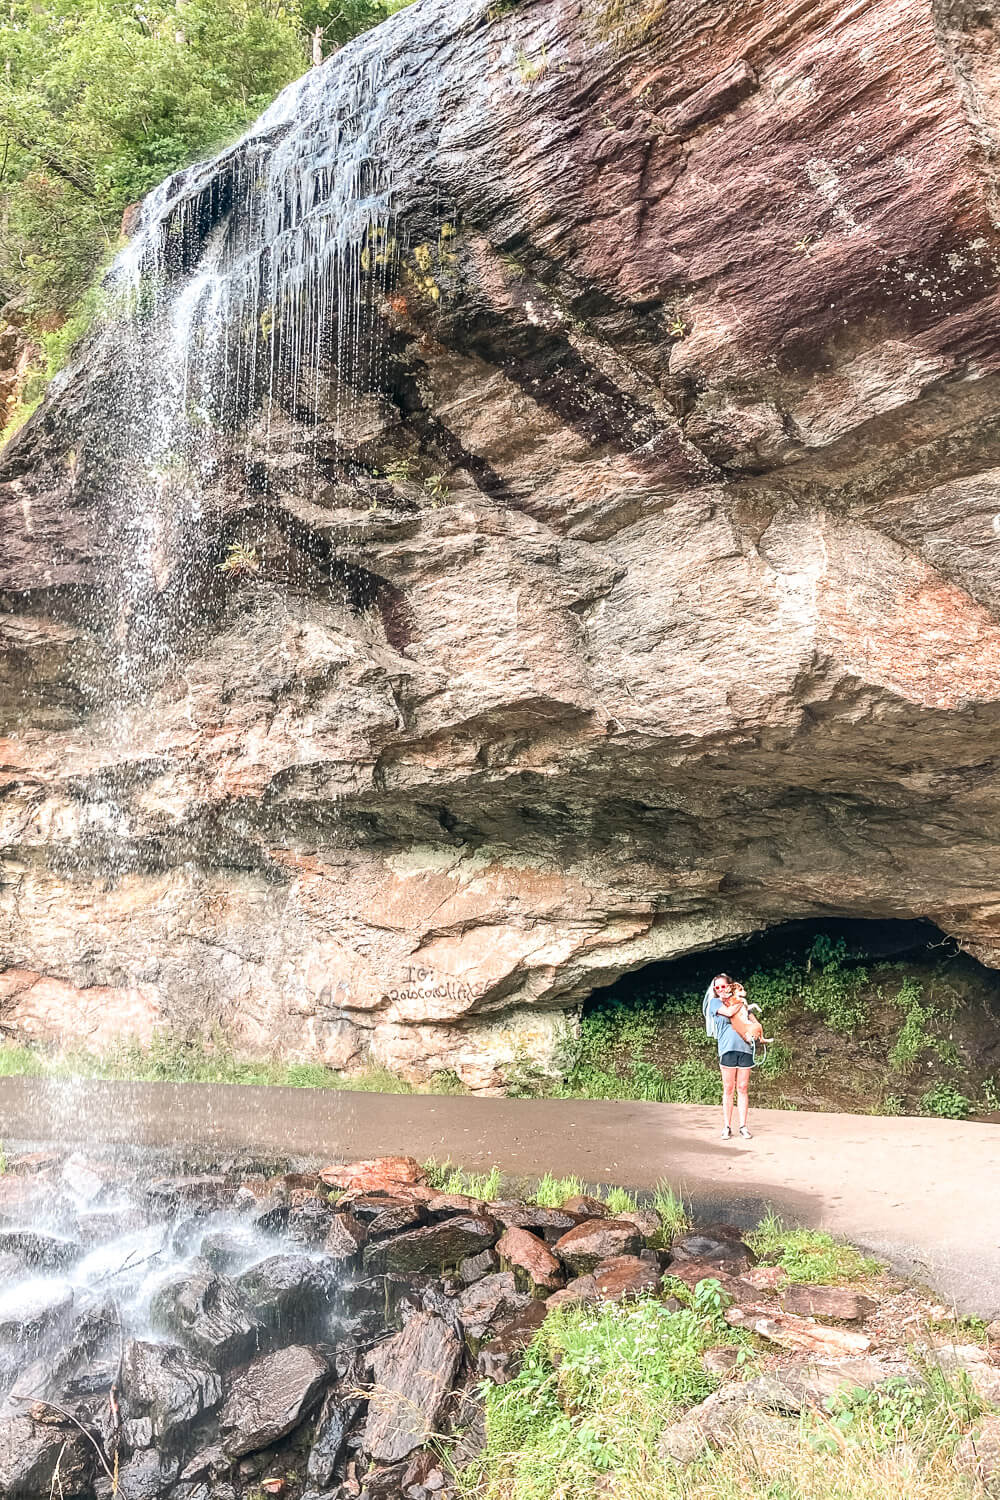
[736, 1060]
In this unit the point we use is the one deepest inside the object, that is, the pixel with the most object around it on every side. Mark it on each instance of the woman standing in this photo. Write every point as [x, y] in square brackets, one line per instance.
[735, 1060]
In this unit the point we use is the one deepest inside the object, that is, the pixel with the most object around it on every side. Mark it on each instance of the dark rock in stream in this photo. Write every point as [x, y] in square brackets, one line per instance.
[29, 1311]
[290, 1294]
[345, 1239]
[439, 1245]
[412, 1375]
[147, 1476]
[341, 1410]
[165, 1390]
[270, 1398]
[32, 1451]
[208, 1313]
[308, 1223]
[487, 1301]
[42, 1252]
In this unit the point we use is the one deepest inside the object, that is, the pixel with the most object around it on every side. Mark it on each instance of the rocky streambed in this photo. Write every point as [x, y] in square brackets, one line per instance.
[320, 1335]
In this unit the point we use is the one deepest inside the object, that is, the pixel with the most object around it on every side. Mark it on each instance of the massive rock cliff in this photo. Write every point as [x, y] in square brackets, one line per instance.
[645, 592]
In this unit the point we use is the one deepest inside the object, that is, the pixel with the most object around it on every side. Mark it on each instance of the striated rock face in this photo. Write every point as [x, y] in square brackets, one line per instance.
[647, 593]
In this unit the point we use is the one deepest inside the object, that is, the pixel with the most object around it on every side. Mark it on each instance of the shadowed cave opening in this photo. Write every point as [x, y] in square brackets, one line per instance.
[868, 1016]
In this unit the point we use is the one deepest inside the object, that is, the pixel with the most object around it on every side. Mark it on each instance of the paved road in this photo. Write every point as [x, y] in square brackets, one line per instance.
[923, 1193]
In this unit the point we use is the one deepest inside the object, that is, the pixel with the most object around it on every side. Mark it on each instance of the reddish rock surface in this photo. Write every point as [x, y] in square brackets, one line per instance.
[597, 1240]
[382, 1174]
[703, 636]
[838, 1302]
[531, 1257]
[625, 1276]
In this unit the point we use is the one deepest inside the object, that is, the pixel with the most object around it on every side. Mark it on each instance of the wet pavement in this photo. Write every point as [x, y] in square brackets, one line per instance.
[922, 1193]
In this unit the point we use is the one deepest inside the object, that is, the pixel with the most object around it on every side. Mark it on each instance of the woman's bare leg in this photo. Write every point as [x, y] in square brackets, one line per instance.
[728, 1093]
[742, 1094]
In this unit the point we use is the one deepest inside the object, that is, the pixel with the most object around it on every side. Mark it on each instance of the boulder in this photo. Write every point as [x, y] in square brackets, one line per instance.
[148, 1475]
[339, 1412]
[626, 1276]
[533, 1263]
[226, 1250]
[412, 1375]
[31, 1454]
[163, 1392]
[380, 1174]
[290, 1295]
[500, 1359]
[838, 1302]
[646, 1220]
[582, 1206]
[308, 1222]
[345, 1238]
[391, 1217]
[721, 1361]
[725, 1420]
[550, 1223]
[764, 1278]
[473, 1267]
[580, 1289]
[208, 1313]
[481, 1305]
[717, 1245]
[438, 1245]
[584, 1247]
[270, 1398]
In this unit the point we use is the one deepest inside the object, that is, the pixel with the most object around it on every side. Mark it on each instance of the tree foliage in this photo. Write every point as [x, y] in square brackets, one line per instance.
[101, 99]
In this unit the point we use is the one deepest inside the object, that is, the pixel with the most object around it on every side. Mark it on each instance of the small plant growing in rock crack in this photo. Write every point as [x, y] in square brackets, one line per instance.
[399, 471]
[529, 70]
[240, 561]
[437, 489]
[677, 328]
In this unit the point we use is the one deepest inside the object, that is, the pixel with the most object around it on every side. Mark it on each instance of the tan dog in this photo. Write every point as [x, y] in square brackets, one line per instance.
[745, 1023]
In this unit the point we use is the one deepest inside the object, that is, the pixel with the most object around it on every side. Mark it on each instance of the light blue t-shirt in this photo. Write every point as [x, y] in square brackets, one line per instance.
[728, 1039]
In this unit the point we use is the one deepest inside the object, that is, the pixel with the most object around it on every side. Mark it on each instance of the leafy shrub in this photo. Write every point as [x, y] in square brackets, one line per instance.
[945, 1100]
[835, 991]
[913, 1037]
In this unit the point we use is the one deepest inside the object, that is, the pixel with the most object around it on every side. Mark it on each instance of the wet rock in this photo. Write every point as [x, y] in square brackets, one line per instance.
[32, 1451]
[345, 1238]
[270, 1398]
[439, 1205]
[226, 1250]
[390, 1216]
[380, 1174]
[268, 1215]
[839, 1302]
[435, 1247]
[412, 1375]
[550, 1223]
[340, 1412]
[164, 1391]
[33, 1308]
[147, 1476]
[41, 1252]
[533, 1263]
[85, 1179]
[208, 1313]
[719, 1245]
[582, 1206]
[500, 1359]
[289, 1294]
[481, 1305]
[11, 1266]
[309, 1222]
[625, 1276]
[207, 1192]
[473, 1267]
[585, 1246]
[978, 1455]
[384, 1483]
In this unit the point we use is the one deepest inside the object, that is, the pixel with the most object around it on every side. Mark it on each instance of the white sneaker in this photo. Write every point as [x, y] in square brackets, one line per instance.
[727, 1134]
[744, 1132]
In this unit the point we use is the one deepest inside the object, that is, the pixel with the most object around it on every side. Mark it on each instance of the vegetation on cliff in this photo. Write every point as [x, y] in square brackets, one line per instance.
[99, 102]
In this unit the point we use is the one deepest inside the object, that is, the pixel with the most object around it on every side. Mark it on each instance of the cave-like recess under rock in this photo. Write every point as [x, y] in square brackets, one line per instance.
[650, 600]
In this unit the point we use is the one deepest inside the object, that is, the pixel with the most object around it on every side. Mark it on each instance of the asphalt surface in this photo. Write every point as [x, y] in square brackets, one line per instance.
[925, 1194]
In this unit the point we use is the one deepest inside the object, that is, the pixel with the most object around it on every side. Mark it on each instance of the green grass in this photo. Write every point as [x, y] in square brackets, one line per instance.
[810, 1255]
[673, 1215]
[451, 1179]
[552, 1192]
[946, 1101]
[169, 1060]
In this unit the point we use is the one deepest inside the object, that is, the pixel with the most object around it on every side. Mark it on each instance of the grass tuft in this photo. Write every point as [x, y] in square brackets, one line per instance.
[810, 1255]
[447, 1178]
